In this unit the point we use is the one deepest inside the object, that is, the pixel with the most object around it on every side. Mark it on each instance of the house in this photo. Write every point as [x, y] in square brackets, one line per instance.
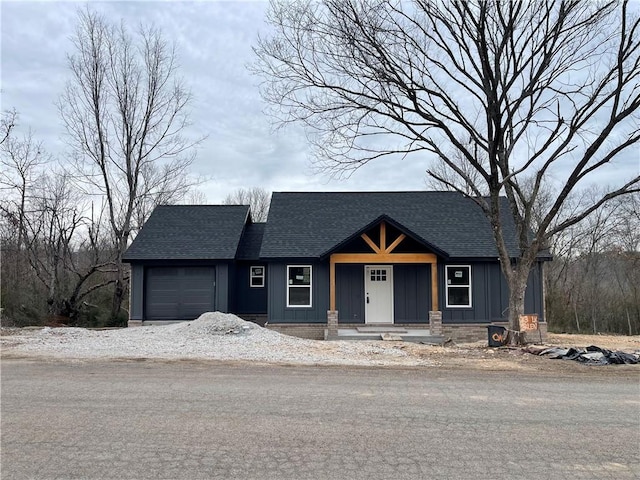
[412, 259]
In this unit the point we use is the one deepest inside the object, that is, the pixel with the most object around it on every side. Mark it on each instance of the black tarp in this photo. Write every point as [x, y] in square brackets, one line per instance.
[591, 355]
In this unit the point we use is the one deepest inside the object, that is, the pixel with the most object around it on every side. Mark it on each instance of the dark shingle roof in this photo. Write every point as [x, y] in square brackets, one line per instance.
[251, 241]
[190, 232]
[311, 224]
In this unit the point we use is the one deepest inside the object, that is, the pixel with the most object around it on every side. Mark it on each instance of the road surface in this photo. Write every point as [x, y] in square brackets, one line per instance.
[189, 420]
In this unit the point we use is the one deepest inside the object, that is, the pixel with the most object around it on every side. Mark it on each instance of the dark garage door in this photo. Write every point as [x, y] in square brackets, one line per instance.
[179, 293]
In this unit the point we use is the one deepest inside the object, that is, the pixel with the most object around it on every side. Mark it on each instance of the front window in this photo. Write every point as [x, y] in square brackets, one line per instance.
[257, 277]
[458, 278]
[298, 285]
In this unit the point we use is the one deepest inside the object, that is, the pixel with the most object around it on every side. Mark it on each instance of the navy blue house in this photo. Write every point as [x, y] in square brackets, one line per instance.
[413, 259]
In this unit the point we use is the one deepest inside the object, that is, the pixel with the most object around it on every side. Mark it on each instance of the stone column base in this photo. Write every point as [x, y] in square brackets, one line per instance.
[134, 323]
[435, 322]
[332, 325]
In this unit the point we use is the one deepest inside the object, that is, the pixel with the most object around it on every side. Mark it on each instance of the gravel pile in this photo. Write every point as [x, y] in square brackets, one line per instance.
[214, 336]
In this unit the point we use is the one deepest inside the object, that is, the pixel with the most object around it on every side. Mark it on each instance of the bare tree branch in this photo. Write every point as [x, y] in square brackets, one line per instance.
[257, 198]
[513, 99]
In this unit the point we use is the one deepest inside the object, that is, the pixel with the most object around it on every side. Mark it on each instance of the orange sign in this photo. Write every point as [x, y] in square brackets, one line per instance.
[528, 323]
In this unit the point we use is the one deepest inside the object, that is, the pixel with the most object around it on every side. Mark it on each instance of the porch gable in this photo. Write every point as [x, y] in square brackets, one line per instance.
[383, 248]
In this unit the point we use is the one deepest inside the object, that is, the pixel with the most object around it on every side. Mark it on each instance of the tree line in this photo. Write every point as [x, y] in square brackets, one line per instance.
[593, 283]
[65, 224]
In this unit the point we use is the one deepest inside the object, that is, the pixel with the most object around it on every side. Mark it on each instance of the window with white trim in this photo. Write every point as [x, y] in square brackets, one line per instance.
[299, 285]
[256, 278]
[458, 278]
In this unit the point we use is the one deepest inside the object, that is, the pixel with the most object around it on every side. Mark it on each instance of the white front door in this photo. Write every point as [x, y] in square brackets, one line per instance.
[378, 294]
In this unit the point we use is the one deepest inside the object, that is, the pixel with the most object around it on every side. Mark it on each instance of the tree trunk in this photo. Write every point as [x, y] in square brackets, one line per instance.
[119, 284]
[118, 292]
[518, 286]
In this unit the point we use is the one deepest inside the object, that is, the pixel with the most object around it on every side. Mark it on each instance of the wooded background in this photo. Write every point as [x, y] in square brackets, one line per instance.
[529, 129]
[57, 258]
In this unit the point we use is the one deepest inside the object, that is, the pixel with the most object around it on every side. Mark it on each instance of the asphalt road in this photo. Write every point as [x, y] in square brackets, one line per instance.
[190, 420]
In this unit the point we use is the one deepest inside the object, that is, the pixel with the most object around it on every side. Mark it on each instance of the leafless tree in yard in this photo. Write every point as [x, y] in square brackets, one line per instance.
[538, 96]
[126, 110]
[21, 162]
[445, 177]
[627, 269]
[41, 218]
[257, 198]
[54, 242]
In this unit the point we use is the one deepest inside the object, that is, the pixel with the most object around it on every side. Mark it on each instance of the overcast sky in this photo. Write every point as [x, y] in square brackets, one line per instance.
[214, 42]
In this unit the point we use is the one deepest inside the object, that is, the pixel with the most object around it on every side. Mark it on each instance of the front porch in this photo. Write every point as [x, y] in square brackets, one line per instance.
[378, 248]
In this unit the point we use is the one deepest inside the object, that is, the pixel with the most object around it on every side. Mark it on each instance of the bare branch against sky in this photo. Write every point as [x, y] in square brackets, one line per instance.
[214, 42]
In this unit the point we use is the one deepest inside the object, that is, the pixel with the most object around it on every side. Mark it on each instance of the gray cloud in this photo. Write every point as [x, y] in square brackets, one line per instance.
[214, 42]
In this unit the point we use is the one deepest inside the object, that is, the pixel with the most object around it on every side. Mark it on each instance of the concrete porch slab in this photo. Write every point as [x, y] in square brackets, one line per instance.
[416, 335]
[381, 329]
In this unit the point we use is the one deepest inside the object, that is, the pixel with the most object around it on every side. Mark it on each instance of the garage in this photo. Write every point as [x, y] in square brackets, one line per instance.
[179, 293]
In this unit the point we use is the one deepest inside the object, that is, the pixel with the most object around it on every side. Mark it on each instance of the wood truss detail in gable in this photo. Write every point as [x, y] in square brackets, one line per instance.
[382, 248]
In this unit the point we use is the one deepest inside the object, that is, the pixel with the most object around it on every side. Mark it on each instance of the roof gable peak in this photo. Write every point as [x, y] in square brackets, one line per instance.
[384, 240]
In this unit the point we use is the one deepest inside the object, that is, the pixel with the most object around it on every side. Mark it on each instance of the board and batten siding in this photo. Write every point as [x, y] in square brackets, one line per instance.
[350, 293]
[277, 293]
[248, 299]
[222, 287]
[490, 294]
[136, 293]
[411, 293]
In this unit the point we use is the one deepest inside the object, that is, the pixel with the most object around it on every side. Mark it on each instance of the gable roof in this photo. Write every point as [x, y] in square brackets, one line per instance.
[312, 224]
[190, 232]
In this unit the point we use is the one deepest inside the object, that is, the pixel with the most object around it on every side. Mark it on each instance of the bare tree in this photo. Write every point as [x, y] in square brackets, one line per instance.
[594, 277]
[257, 198]
[196, 197]
[627, 269]
[7, 123]
[21, 161]
[43, 214]
[125, 110]
[543, 93]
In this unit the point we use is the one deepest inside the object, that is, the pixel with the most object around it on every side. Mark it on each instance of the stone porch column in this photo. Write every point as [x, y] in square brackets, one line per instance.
[332, 324]
[435, 322]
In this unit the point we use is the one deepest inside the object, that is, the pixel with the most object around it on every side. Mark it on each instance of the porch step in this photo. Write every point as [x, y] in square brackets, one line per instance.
[427, 339]
[415, 335]
[381, 329]
[391, 337]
